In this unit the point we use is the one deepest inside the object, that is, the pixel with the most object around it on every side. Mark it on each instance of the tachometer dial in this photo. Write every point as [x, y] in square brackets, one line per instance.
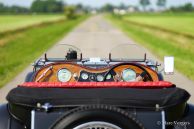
[84, 76]
[64, 75]
[128, 75]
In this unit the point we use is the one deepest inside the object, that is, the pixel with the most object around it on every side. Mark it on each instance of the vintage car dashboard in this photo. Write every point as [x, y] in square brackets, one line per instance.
[72, 72]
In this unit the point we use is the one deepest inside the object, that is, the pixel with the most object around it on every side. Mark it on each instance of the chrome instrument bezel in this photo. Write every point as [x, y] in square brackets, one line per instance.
[69, 78]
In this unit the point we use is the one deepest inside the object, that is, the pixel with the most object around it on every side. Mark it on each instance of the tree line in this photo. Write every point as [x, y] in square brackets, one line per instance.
[184, 8]
[145, 4]
[58, 6]
[47, 6]
[162, 5]
[13, 9]
[38, 6]
[159, 3]
[44, 6]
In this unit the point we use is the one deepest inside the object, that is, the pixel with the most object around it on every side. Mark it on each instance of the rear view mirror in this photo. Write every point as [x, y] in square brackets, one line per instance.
[169, 65]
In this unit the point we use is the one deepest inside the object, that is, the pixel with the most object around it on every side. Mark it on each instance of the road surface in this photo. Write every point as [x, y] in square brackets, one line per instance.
[95, 37]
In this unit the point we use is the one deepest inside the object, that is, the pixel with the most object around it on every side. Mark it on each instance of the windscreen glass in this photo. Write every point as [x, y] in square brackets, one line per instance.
[128, 51]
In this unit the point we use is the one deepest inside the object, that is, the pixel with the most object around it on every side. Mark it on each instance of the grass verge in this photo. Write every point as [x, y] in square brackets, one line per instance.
[19, 50]
[13, 22]
[177, 22]
[162, 44]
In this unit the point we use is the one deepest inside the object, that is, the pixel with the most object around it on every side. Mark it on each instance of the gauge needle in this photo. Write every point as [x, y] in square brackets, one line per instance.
[44, 73]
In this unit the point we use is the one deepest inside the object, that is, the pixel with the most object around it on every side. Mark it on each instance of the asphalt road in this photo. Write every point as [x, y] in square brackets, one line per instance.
[95, 37]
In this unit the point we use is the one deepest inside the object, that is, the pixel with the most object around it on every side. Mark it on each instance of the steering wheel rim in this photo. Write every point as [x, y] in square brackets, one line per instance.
[134, 64]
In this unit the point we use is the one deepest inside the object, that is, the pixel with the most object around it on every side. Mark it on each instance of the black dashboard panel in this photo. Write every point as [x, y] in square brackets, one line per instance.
[94, 77]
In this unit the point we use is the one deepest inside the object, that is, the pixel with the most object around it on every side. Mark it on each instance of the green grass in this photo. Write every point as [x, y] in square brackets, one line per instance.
[162, 44]
[182, 23]
[12, 22]
[19, 50]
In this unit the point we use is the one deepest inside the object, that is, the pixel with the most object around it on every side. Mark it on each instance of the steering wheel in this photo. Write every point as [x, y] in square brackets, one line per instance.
[134, 64]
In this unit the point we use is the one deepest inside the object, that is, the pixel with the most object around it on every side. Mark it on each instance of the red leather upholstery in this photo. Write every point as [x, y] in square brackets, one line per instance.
[159, 84]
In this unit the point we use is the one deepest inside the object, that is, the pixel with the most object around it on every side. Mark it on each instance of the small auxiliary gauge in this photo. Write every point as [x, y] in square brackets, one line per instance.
[109, 76]
[84, 76]
[100, 78]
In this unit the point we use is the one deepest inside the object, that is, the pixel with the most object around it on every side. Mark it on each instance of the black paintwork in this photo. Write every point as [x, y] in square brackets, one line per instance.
[7, 121]
[187, 122]
[29, 77]
[19, 117]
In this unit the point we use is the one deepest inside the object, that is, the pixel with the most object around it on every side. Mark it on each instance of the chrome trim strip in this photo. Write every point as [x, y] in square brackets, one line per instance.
[97, 125]
[32, 119]
[163, 120]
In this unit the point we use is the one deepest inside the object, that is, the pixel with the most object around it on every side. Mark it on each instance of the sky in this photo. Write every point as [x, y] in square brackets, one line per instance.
[97, 3]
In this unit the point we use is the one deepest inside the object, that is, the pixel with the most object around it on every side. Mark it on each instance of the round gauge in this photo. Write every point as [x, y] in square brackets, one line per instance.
[92, 78]
[100, 78]
[109, 76]
[128, 75]
[84, 76]
[64, 75]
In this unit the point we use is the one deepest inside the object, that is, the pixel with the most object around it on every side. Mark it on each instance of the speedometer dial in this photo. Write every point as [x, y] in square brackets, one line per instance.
[64, 75]
[128, 75]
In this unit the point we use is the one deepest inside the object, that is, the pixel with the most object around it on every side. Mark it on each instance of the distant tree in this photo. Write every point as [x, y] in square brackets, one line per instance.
[82, 9]
[79, 6]
[2, 8]
[187, 7]
[47, 6]
[70, 12]
[13, 9]
[18, 9]
[108, 8]
[55, 6]
[38, 6]
[144, 3]
[161, 3]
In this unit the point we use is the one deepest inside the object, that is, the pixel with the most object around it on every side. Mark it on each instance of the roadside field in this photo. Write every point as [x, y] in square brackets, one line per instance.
[178, 23]
[19, 50]
[12, 22]
[162, 43]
